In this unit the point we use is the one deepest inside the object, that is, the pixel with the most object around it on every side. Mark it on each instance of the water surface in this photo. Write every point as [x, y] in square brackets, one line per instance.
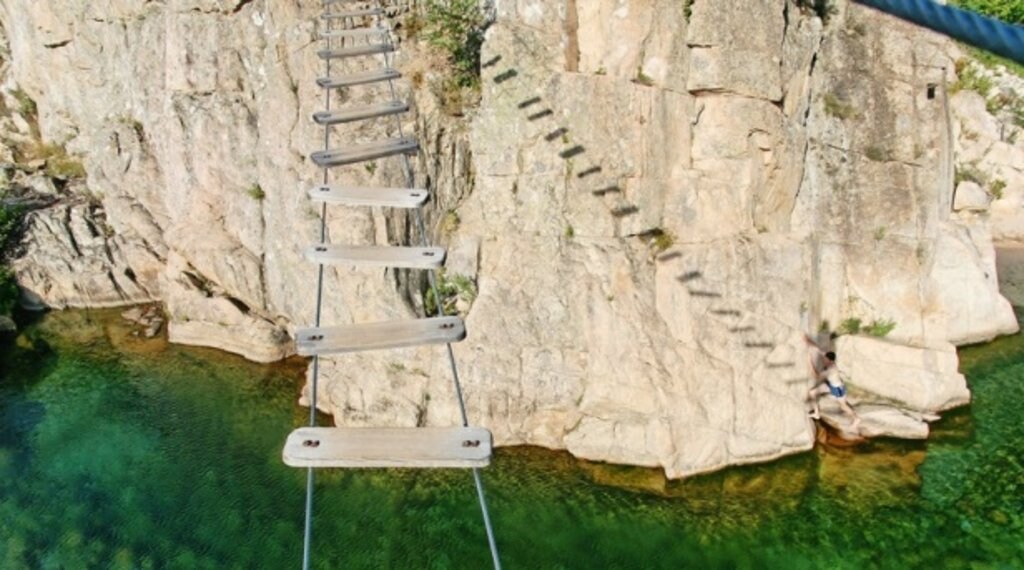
[122, 453]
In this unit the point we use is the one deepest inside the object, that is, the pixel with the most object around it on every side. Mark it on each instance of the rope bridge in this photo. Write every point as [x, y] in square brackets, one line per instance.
[331, 447]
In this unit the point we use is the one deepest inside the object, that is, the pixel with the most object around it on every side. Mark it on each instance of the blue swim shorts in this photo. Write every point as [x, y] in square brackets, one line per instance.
[837, 391]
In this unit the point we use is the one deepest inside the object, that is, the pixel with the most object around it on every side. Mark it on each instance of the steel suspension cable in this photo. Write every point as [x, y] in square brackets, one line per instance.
[410, 181]
[307, 537]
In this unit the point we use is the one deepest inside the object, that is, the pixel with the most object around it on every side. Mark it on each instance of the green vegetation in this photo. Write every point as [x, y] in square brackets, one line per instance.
[58, 163]
[836, 107]
[26, 106]
[880, 232]
[413, 25]
[969, 173]
[1011, 11]
[996, 188]
[569, 231]
[9, 292]
[642, 78]
[877, 154]
[876, 328]
[256, 192]
[457, 28]
[970, 78]
[687, 9]
[850, 326]
[371, 168]
[1009, 104]
[65, 168]
[991, 60]
[823, 9]
[452, 289]
[879, 328]
[10, 226]
[11, 219]
[450, 223]
[663, 240]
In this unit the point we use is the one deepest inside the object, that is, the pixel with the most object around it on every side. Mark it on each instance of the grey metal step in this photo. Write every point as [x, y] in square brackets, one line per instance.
[365, 196]
[355, 51]
[354, 33]
[352, 14]
[377, 256]
[364, 152]
[424, 448]
[360, 113]
[361, 78]
[379, 336]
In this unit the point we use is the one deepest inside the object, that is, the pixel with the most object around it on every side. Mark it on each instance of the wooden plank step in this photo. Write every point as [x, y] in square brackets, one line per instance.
[354, 33]
[377, 256]
[355, 51]
[364, 196]
[379, 336]
[362, 78]
[352, 14]
[422, 448]
[364, 152]
[360, 113]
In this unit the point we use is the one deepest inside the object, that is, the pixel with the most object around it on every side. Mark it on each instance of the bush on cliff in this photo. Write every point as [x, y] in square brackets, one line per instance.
[1011, 11]
[457, 28]
[10, 229]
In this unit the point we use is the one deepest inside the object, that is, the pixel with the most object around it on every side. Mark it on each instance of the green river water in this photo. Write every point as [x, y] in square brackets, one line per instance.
[122, 453]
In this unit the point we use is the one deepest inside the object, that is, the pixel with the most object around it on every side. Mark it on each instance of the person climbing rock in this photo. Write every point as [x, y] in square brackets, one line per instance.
[831, 383]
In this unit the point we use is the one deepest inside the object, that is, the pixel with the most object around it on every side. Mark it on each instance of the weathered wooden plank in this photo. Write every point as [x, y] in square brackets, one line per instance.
[360, 113]
[355, 51]
[377, 256]
[361, 78]
[424, 448]
[352, 14]
[379, 336]
[354, 33]
[361, 153]
[363, 196]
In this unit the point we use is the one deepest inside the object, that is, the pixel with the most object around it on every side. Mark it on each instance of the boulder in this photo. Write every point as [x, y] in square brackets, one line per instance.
[70, 259]
[970, 197]
[921, 379]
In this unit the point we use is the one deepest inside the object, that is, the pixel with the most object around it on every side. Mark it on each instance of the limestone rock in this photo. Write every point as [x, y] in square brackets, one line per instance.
[876, 421]
[989, 146]
[1010, 260]
[202, 314]
[920, 379]
[970, 197]
[729, 54]
[70, 259]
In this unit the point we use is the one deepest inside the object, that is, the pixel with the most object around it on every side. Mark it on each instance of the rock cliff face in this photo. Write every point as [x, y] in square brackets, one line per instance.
[652, 203]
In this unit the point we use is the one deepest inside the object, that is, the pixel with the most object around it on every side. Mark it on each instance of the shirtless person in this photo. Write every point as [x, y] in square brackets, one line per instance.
[830, 382]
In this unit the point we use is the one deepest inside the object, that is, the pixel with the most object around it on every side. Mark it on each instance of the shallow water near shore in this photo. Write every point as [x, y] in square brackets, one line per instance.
[122, 453]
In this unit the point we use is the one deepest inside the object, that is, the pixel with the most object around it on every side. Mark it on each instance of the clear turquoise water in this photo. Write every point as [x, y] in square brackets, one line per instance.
[118, 453]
